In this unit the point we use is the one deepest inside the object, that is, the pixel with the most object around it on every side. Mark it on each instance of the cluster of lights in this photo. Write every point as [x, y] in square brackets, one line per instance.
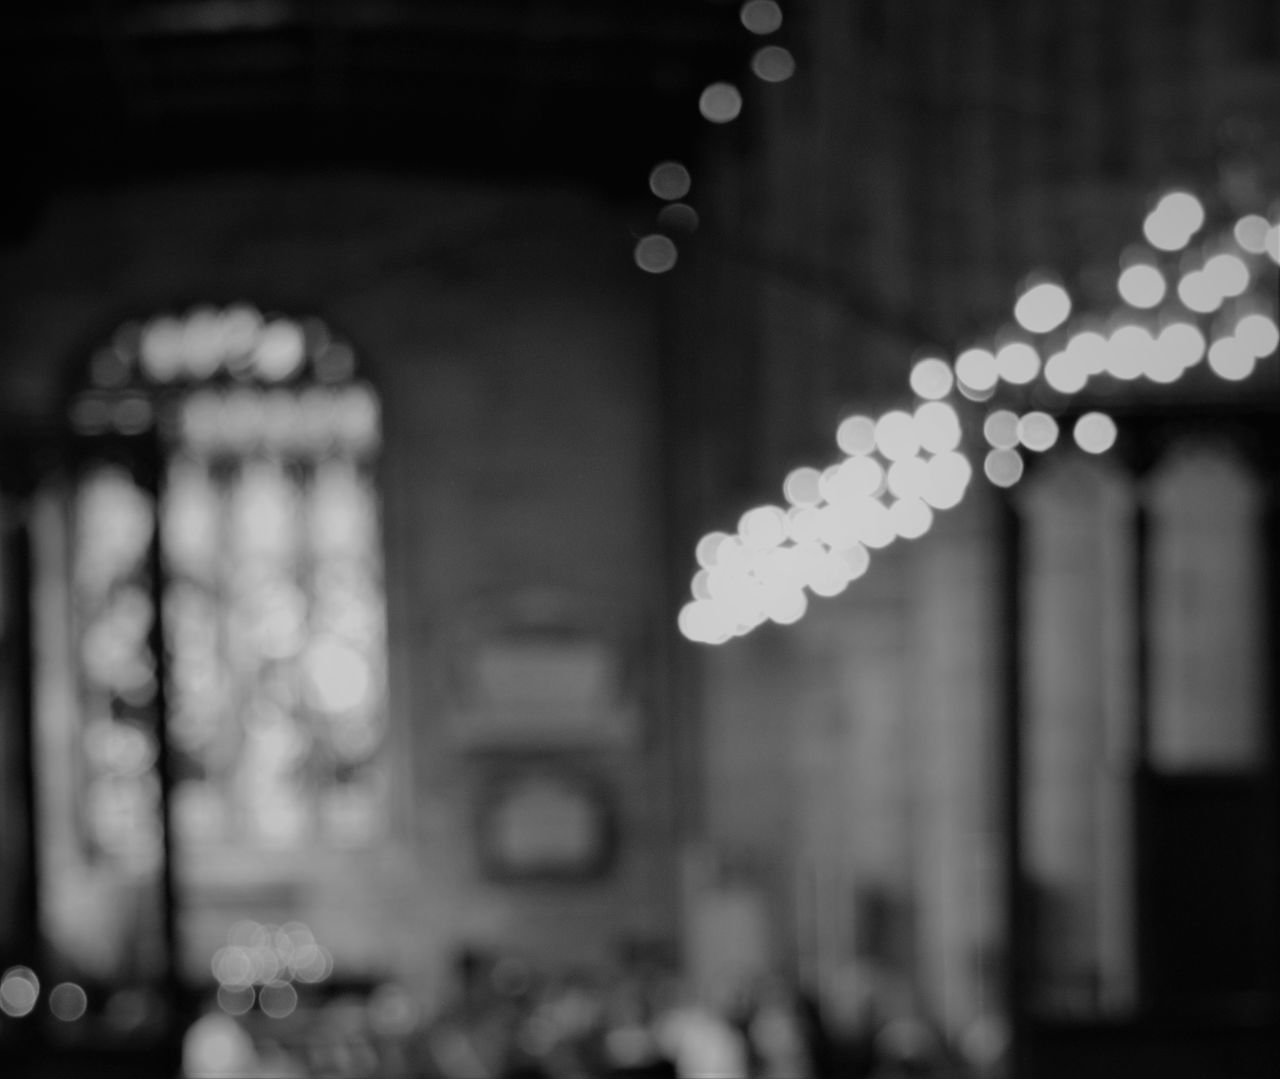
[902, 467]
[20, 993]
[261, 963]
[719, 103]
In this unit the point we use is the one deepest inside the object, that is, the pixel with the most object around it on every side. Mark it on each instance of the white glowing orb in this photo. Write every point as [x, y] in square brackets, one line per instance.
[1198, 292]
[1229, 359]
[1142, 285]
[1128, 351]
[1258, 334]
[908, 478]
[1000, 429]
[708, 548]
[1095, 432]
[977, 369]
[1227, 274]
[937, 427]
[856, 434]
[1176, 218]
[1038, 431]
[1065, 373]
[762, 528]
[896, 435]
[1183, 343]
[1251, 233]
[1042, 307]
[1018, 363]
[931, 378]
[1003, 467]
[801, 486]
[911, 517]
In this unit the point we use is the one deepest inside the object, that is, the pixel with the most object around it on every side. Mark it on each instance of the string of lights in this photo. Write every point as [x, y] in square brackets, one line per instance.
[1182, 305]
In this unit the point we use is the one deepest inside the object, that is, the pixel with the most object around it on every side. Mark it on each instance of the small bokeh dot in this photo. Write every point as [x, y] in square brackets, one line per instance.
[720, 102]
[655, 253]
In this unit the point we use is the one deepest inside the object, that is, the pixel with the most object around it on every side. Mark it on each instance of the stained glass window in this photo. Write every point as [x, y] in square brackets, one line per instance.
[239, 572]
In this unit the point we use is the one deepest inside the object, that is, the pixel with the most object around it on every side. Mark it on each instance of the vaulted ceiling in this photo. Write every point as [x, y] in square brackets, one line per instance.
[588, 88]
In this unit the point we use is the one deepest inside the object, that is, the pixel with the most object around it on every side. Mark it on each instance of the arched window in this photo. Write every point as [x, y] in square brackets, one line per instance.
[222, 611]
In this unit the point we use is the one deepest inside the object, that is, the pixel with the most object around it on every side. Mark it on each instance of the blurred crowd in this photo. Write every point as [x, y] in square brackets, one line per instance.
[504, 1019]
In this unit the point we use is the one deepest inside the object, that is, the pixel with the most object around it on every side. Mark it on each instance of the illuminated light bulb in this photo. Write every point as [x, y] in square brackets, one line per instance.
[1004, 468]
[699, 586]
[1176, 218]
[801, 486]
[976, 369]
[1018, 363]
[1228, 274]
[896, 435]
[721, 102]
[1198, 293]
[656, 253]
[931, 378]
[1038, 431]
[802, 524]
[1258, 334]
[911, 517]
[1128, 350]
[1064, 373]
[937, 427]
[1089, 349]
[762, 528]
[786, 608]
[908, 478]
[1000, 429]
[1141, 285]
[1095, 432]
[1230, 359]
[856, 435]
[1250, 233]
[773, 63]
[670, 180]
[1042, 307]
[708, 548]
[1182, 342]
[761, 16]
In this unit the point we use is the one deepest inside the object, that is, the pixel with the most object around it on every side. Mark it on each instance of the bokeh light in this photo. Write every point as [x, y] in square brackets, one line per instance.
[1018, 363]
[278, 1000]
[976, 368]
[678, 217]
[1198, 292]
[1176, 218]
[762, 528]
[1230, 359]
[1228, 274]
[896, 435]
[761, 16]
[801, 486]
[68, 1002]
[19, 991]
[1003, 467]
[655, 253]
[931, 378]
[1250, 233]
[773, 63]
[1095, 432]
[937, 427]
[1000, 429]
[1258, 333]
[1065, 373]
[721, 102]
[1141, 285]
[670, 180]
[1042, 307]
[1038, 431]
[856, 435]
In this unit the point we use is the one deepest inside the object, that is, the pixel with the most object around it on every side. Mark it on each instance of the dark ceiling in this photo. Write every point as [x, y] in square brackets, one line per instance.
[595, 89]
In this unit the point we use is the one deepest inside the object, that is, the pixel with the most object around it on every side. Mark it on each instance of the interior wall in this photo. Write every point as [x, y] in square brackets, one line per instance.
[513, 346]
